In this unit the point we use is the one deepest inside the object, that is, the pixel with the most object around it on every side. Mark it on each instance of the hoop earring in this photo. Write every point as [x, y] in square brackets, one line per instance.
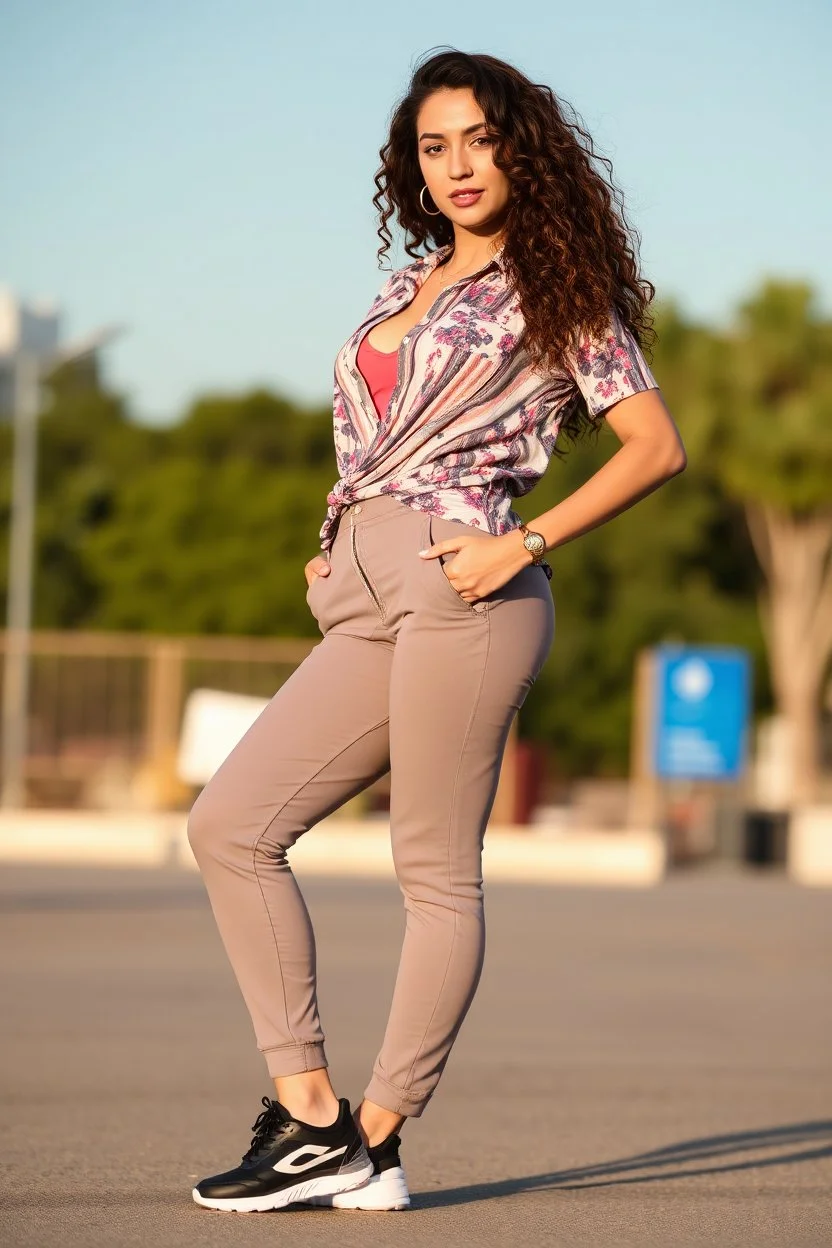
[438, 212]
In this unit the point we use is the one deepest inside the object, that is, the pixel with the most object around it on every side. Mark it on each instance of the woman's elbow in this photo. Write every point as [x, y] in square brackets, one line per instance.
[677, 460]
[673, 458]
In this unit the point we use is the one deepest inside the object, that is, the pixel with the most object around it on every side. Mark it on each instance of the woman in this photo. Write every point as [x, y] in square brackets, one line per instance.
[521, 322]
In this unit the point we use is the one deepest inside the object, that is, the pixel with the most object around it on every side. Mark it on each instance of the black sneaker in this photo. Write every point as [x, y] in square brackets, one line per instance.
[386, 1189]
[290, 1161]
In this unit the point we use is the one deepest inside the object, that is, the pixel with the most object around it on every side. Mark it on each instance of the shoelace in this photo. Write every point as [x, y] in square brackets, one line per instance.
[268, 1123]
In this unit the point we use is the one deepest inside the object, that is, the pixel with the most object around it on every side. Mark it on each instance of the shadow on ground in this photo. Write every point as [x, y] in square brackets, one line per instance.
[661, 1164]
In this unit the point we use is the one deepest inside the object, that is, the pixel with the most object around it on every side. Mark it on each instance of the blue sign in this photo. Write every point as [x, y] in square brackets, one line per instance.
[701, 712]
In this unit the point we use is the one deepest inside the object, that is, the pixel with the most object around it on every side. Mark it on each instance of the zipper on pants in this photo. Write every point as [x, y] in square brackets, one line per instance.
[365, 580]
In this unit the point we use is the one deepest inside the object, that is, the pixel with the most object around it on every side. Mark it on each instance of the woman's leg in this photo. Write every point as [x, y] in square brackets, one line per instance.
[322, 739]
[459, 676]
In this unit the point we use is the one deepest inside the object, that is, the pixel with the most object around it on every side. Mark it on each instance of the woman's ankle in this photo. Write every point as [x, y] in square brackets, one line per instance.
[375, 1123]
[308, 1097]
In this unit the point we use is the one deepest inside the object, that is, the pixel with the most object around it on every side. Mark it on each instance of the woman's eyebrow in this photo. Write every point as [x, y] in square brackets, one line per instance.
[480, 125]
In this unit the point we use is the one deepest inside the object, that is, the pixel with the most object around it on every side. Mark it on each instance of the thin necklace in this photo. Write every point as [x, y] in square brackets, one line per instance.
[443, 281]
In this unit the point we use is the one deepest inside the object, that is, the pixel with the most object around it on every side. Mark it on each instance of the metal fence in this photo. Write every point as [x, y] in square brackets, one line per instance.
[105, 709]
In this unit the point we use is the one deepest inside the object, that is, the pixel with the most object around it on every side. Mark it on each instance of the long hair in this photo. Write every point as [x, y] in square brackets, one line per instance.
[568, 249]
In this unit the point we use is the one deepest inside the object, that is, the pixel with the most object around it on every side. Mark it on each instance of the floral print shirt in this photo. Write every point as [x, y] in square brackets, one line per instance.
[471, 423]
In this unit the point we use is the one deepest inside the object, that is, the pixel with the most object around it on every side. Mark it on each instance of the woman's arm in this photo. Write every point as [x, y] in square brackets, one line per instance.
[651, 453]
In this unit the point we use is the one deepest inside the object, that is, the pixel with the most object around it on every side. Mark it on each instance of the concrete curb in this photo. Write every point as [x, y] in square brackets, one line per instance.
[339, 846]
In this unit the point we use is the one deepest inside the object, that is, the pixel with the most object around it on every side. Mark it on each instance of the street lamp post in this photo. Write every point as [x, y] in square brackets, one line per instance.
[26, 389]
[29, 369]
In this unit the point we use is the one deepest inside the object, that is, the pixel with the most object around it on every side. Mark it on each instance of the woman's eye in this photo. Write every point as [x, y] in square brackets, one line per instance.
[437, 147]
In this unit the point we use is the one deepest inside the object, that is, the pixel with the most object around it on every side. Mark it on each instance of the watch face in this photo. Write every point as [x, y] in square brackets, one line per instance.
[535, 543]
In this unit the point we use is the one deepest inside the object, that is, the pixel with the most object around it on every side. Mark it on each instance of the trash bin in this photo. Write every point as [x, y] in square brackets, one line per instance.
[765, 837]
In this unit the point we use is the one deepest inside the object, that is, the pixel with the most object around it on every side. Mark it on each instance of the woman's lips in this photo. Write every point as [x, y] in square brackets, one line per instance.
[464, 199]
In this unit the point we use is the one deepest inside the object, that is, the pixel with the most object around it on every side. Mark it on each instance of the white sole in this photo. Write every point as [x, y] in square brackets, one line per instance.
[329, 1186]
[385, 1191]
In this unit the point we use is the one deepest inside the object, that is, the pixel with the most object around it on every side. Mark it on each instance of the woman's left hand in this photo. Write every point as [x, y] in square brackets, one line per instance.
[481, 564]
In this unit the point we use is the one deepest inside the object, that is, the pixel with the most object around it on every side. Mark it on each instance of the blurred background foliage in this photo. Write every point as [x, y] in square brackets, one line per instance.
[205, 526]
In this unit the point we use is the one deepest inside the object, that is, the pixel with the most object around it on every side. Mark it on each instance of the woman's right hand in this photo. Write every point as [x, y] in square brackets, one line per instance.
[319, 566]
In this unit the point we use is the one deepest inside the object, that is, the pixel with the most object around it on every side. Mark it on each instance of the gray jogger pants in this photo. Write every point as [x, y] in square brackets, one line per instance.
[408, 677]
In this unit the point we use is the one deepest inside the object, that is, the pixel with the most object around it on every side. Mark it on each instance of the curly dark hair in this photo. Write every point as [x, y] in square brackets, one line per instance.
[568, 249]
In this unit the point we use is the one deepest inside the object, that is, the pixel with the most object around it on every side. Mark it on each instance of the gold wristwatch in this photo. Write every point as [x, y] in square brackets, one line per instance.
[535, 543]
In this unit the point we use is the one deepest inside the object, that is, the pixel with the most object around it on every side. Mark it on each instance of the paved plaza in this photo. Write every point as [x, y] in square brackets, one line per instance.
[640, 1067]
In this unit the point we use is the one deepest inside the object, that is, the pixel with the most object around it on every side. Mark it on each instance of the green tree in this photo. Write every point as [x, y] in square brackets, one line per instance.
[213, 536]
[87, 449]
[200, 547]
[766, 407]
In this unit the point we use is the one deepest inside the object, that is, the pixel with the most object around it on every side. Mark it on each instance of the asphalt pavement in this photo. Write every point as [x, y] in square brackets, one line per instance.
[639, 1067]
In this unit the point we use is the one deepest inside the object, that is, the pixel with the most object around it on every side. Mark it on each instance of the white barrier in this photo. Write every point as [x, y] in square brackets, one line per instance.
[212, 724]
[335, 846]
[809, 854]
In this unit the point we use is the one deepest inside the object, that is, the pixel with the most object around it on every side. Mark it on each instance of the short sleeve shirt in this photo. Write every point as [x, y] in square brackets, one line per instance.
[471, 423]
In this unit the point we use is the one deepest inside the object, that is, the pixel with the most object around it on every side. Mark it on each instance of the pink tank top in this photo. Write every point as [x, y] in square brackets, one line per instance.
[380, 371]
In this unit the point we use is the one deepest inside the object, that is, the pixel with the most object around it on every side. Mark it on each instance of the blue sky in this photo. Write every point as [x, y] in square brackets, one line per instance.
[200, 171]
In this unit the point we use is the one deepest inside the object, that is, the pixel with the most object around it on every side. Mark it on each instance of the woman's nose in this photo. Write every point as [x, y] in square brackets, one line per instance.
[459, 165]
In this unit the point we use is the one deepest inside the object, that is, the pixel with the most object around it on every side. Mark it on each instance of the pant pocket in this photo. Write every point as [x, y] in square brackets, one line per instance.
[321, 591]
[439, 529]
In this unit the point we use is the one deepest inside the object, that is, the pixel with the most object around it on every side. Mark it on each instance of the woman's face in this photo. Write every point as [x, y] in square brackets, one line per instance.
[455, 159]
